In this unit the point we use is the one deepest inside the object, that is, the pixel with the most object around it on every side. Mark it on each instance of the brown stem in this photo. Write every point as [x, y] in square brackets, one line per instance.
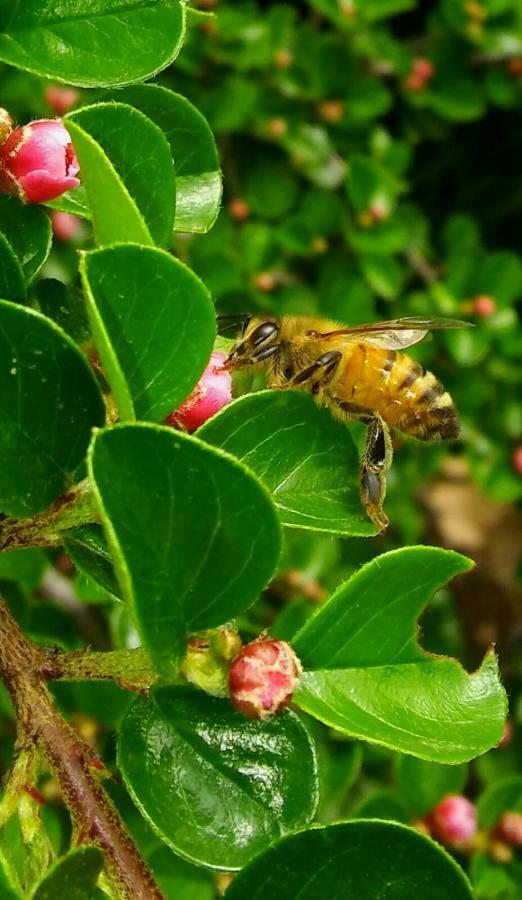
[74, 508]
[94, 817]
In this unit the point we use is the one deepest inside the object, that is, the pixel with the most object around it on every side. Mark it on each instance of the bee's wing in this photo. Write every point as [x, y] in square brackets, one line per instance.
[395, 334]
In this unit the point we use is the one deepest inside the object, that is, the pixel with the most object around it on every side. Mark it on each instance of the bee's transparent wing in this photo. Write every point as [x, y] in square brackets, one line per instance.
[395, 334]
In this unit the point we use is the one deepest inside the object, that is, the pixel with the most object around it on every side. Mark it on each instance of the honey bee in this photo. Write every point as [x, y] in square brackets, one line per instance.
[358, 373]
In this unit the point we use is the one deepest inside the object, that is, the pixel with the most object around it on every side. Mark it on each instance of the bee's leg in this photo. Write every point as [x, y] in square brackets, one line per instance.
[320, 371]
[375, 462]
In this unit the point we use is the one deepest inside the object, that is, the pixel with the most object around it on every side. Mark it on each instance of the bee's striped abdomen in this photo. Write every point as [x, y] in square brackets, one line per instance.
[395, 386]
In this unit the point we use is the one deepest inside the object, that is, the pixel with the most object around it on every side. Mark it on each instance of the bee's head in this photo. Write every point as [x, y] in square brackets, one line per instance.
[258, 342]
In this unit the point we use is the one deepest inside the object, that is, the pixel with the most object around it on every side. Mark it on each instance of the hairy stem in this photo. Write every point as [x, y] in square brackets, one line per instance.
[131, 669]
[74, 508]
[95, 820]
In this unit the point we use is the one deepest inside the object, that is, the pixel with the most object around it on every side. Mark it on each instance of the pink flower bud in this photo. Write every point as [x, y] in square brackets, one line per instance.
[263, 678]
[454, 820]
[212, 392]
[37, 162]
[65, 226]
[60, 98]
[483, 306]
[516, 460]
[509, 828]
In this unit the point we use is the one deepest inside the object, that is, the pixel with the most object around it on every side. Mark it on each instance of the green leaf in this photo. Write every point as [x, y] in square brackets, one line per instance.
[503, 795]
[127, 171]
[25, 566]
[363, 859]
[28, 231]
[74, 876]
[93, 43]
[212, 536]
[50, 402]
[178, 878]
[216, 787]
[423, 784]
[198, 177]
[373, 681]
[88, 550]
[307, 460]
[154, 325]
[7, 889]
[12, 283]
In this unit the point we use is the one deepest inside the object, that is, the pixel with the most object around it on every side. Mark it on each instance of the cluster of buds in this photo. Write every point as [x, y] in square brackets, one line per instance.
[420, 75]
[212, 392]
[37, 161]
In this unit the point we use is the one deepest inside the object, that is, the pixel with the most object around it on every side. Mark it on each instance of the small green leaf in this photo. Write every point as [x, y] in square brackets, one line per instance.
[198, 177]
[216, 787]
[363, 859]
[50, 402]
[28, 231]
[307, 460]
[93, 43]
[88, 550]
[212, 537]
[154, 325]
[12, 283]
[74, 876]
[373, 681]
[127, 171]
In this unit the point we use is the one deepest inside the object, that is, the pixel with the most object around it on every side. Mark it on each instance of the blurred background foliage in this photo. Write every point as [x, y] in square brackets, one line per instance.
[371, 155]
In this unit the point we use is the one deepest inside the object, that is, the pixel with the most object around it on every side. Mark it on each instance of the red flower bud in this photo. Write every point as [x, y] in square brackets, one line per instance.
[65, 226]
[423, 68]
[37, 162]
[454, 820]
[263, 678]
[509, 828]
[483, 306]
[60, 98]
[239, 209]
[516, 460]
[212, 392]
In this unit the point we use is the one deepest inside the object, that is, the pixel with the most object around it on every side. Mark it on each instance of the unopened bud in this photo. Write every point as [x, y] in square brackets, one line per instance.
[212, 392]
[509, 828]
[454, 820]
[263, 678]
[37, 162]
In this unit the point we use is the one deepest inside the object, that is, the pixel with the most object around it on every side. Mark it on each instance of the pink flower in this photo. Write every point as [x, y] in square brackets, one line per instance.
[212, 392]
[60, 98]
[37, 162]
[263, 678]
[454, 820]
[65, 226]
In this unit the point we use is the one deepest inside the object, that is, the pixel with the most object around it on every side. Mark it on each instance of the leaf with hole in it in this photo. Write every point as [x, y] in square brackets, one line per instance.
[28, 231]
[193, 534]
[49, 402]
[127, 171]
[73, 876]
[154, 325]
[93, 43]
[198, 176]
[216, 787]
[307, 460]
[370, 679]
[364, 859]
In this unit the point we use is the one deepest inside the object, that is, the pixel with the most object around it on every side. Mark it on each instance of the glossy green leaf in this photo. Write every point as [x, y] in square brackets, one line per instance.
[353, 628]
[88, 550]
[12, 284]
[423, 784]
[154, 325]
[374, 681]
[28, 231]
[74, 876]
[308, 461]
[194, 535]
[74, 202]
[93, 43]
[360, 859]
[198, 176]
[49, 403]
[216, 787]
[127, 172]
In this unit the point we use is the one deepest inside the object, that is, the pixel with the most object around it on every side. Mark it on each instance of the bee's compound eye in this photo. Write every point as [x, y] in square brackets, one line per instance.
[263, 332]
